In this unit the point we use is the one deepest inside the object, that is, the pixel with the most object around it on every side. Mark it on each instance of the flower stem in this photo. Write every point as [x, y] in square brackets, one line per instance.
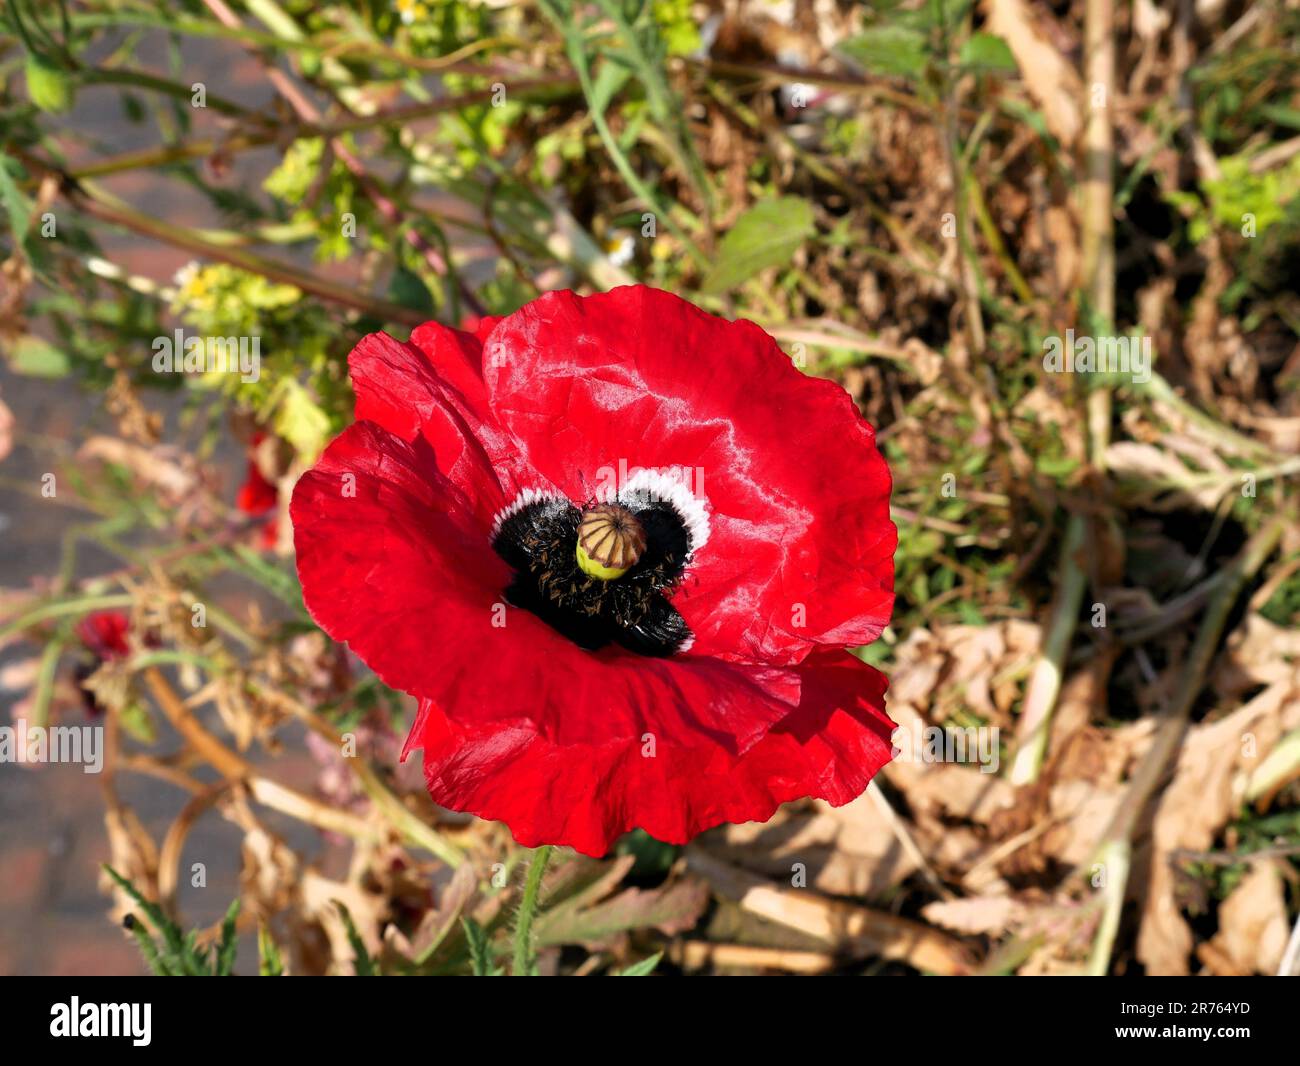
[524, 958]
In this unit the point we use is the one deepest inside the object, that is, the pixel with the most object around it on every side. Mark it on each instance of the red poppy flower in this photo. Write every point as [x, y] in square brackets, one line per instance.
[617, 547]
[257, 494]
[104, 633]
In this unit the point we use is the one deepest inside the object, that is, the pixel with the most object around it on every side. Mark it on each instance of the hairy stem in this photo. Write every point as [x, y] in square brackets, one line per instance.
[525, 957]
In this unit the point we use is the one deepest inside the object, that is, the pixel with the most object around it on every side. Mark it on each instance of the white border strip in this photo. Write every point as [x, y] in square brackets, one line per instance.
[670, 490]
[524, 499]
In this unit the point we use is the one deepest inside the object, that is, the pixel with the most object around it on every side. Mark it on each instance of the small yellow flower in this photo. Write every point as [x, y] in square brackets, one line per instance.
[412, 11]
[189, 281]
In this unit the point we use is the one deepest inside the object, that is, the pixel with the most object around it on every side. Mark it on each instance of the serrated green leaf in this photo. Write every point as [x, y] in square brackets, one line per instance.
[269, 963]
[766, 235]
[224, 962]
[171, 932]
[152, 957]
[179, 955]
[892, 50]
[363, 963]
[480, 949]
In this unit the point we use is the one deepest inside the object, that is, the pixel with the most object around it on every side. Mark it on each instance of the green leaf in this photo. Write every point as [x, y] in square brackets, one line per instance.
[300, 421]
[225, 960]
[170, 931]
[1282, 115]
[37, 358]
[148, 948]
[480, 950]
[136, 719]
[178, 956]
[893, 50]
[363, 963]
[987, 51]
[45, 677]
[133, 109]
[269, 963]
[279, 582]
[643, 968]
[1056, 466]
[1031, 117]
[17, 205]
[653, 857]
[766, 235]
[409, 290]
[611, 78]
[49, 86]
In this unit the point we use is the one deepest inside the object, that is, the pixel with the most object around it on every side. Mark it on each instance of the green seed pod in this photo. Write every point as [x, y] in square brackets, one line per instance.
[610, 542]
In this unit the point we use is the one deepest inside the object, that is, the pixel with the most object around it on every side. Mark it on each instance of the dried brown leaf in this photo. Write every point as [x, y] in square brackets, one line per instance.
[1253, 926]
[1049, 76]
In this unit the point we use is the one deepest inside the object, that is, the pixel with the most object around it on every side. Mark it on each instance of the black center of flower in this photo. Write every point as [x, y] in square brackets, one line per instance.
[539, 540]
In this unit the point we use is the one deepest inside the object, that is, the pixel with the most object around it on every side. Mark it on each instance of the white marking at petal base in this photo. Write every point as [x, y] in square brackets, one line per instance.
[664, 488]
[525, 499]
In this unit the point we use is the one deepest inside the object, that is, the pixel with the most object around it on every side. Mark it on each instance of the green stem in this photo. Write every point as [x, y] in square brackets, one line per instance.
[268, 132]
[1049, 672]
[1115, 858]
[576, 48]
[61, 608]
[142, 79]
[99, 204]
[524, 957]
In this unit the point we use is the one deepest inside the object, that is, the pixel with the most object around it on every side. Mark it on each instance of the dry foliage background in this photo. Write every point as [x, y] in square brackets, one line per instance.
[911, 197]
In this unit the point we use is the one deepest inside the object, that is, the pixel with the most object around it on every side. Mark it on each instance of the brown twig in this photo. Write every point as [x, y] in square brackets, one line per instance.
[106, 208]
[699, 954]
[237, 770]
[1098, 238]
[836, 923]
[308, 112]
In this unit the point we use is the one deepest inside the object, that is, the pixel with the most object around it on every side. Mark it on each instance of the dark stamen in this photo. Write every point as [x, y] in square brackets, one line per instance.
[539, 540]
